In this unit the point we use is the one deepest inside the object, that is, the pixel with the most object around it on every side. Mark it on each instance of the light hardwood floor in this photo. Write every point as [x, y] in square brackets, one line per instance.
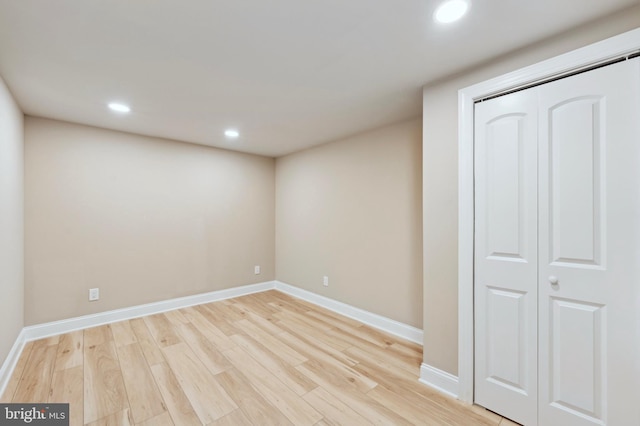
[262, 359]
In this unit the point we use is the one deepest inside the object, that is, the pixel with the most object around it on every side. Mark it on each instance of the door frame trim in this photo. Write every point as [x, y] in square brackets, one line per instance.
[573, 61]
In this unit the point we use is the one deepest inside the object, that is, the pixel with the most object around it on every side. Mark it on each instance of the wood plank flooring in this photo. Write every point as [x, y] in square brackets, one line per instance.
[261, 359]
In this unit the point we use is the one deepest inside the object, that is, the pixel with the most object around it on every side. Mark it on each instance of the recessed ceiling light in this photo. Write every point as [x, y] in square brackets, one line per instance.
[451, 11]
[114, 106]
[231, 133]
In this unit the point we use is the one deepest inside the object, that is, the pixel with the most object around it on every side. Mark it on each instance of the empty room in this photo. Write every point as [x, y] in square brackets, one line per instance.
[415, 212]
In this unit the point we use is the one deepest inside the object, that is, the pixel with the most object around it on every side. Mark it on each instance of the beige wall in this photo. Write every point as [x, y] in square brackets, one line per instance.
[143, 219]
[11, 221]
[440, 179]
[351, 210]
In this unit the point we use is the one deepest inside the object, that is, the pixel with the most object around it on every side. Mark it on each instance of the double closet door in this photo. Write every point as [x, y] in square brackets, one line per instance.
[557, 250]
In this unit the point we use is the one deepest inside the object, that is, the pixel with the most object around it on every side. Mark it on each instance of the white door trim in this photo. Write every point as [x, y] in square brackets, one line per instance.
[595, 53]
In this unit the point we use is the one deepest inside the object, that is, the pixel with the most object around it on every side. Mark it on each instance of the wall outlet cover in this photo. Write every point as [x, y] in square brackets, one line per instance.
[94, 294]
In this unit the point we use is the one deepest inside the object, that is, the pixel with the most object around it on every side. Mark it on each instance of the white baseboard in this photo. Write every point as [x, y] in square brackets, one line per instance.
[40, 331]
[385, 324]
[9, 364]
[439, 380]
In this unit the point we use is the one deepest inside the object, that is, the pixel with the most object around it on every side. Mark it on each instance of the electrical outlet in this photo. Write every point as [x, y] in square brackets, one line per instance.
[94, 294]
[325, 281]
[256, 269]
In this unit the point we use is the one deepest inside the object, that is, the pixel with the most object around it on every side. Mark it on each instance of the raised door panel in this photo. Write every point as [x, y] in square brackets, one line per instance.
[504, 196]
[578, 350]
[576, 157]
[507, 345]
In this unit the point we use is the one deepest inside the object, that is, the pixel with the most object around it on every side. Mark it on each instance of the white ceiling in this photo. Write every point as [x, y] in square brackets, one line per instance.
[288, 74]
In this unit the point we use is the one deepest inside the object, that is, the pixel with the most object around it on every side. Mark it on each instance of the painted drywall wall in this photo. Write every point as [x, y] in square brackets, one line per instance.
[351, 210]
[11, 221]
[143, 219]
[440, 179]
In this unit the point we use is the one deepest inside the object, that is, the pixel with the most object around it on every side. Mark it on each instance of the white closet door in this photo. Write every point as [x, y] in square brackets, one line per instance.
[589, 248]
[506, 263]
